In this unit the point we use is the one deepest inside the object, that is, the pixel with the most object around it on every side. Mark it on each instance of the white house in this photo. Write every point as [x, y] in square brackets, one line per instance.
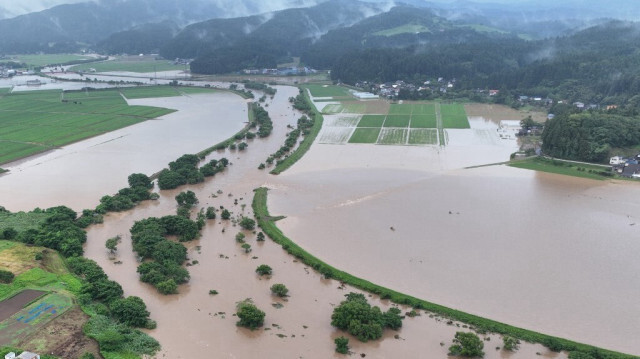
[616, 160]
[10, 355]
[28, 355]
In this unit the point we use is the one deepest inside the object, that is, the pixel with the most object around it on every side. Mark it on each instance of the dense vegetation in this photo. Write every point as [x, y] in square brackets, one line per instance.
[589, 136]
[185, 170]
[363, 321]
[164, 269]
[128, 197]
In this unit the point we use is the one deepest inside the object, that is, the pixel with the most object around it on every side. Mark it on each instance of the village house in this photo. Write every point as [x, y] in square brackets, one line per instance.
[24, 355]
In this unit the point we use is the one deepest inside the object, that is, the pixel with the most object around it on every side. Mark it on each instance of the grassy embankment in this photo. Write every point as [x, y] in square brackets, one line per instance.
[542, 164]
[306, 143]
[267, 223]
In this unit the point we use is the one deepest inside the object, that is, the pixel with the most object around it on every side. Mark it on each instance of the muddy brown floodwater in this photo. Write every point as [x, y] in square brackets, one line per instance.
[340, 202]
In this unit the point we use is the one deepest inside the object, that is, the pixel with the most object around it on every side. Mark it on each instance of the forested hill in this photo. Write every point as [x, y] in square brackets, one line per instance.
[287, 32]
[598, 65]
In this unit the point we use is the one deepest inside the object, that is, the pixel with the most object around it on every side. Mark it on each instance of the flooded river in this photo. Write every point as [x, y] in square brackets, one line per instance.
[549, 253]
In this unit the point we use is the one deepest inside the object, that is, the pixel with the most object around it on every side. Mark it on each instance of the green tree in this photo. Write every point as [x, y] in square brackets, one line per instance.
[186, 199]
[246, 247]
[264, 269]
[247, 223]
[279, 289]
[210, 213]
[467, 344]
[250, 316]
[260, 237]
[167, 287]
[131, 311]
[225, 214]
[112, 244]
[357, 317]
[342, 345]
[240, 237]
[140, 180]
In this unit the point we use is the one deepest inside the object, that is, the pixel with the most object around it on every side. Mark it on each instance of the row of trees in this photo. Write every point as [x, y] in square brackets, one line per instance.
[128, 197]
[185, 170]
[263, 120]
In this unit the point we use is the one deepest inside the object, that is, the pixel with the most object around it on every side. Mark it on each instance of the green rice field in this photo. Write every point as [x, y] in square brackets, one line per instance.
[35, 121]
[371, 121]
[454, 116]
[365, 135]
[397, 121]
[423, 121]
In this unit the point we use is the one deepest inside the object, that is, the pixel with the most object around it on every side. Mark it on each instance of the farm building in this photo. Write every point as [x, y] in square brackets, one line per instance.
[365, 95]
[508, 129]
[24, 355]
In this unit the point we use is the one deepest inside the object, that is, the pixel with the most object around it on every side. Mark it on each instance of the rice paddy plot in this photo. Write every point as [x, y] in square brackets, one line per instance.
[393, 136]
[454, 116]
[341, 122]
[365, 135]
[423, 136]
[400, 109]
[335, 135]
[423, 109]
[345, 108]
[371, 121]
[397, 121]
[423, 121]
[13, 150]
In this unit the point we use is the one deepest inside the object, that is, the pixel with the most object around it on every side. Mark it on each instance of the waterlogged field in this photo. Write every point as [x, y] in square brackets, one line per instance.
[393, 136]
[131, 64]
[423, 136]
[35, 121]
[327, 91]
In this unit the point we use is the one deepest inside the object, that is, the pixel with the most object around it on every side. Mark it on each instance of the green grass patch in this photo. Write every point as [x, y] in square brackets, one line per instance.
[5, 90]
[482, 28]
[36, 121]
[269, 227]
[150, 92]
[306, 143]
[397, 109]
[144, 65]
[371, 121]
[397, 121]
[49, 59]
[454, 116]
[365, 135]
[563, 168]
[404, 29]
[423, 136]
[393, 136]
[423, 121]
[21, 221]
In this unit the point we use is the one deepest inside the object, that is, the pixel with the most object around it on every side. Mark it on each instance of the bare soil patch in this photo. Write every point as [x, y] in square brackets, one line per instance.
[63, 337]
[14, 304]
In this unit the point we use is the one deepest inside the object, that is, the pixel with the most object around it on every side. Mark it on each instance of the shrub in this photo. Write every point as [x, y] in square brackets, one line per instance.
[553, 344]
[467, 344]
[510, 343]
[264, 269]
[250, 316]
[342, 345]
[246, 247]
[213, 292]
[130, 311]
[167, 287]
[6, 276]
[247, 223]
[260, 237]
[279, 289]
[225, 214]
[210, 213]
[240, 237]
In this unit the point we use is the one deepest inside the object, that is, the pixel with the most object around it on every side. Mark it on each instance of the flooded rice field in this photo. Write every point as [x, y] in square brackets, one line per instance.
[549, 253]
[79, 174]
